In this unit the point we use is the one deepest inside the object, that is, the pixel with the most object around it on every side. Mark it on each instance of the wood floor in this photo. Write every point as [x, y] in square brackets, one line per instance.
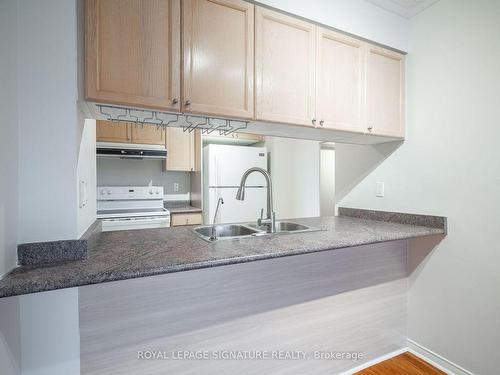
[403, 364]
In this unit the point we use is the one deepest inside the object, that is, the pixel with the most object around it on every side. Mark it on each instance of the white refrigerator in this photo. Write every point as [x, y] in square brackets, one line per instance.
[223, 166]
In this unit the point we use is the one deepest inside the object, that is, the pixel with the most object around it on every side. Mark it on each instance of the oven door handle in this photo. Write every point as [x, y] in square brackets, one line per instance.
[135, 223]
[139, 219]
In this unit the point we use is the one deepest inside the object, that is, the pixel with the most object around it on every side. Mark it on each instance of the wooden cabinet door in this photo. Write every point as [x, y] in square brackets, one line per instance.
[218, 47]
[132, 50]
[249, 137]
[339, 81]
[197, 151]
[181, 219]
[148, 134]
[385, 71]
[284, 68]
[180, 150]
[107, 131]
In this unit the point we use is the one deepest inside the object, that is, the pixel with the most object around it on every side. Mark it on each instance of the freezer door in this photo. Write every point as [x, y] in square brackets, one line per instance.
[235, 211]
[226, 165]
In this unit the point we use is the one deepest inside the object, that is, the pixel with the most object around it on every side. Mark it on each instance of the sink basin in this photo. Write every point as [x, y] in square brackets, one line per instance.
[286, 227]
[228, 231]
[225, 231]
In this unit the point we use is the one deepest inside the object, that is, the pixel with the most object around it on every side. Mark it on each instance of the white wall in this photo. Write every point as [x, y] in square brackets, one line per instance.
[294, 168]
[48, 132]
[354, 16]
[327, 182]
[8, 136]
[49, 135]
[123, 172]
[50, 336]
[450, 165]
[353, 163]
[10, 336]
[86, 171]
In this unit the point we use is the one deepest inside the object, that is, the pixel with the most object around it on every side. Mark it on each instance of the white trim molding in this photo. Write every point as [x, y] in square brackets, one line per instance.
[374, 361]
[435, 359]
[420, 351]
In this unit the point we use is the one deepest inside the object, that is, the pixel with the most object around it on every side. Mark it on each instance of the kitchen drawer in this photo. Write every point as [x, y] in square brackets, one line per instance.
[186, 219]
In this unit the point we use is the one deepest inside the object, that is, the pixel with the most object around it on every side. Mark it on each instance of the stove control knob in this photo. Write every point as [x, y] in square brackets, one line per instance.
[157, 191]
[102, 192]
[108, 192]
[151, 192]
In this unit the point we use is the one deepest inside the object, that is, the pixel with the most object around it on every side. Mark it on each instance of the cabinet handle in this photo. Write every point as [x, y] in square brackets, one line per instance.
[175, 101]
[314, 121]
[321, 122]
[370, 128]
[188, 102]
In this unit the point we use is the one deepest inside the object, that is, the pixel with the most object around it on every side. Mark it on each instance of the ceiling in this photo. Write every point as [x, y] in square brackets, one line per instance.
[405, 8]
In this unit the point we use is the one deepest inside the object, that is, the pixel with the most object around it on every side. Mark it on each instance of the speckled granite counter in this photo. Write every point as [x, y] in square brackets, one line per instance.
[130, 254]
[177, 207]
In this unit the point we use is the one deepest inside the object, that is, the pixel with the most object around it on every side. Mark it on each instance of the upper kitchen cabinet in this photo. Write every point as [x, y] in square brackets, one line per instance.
[233, 138]
[180, 150]
[107, 131]
[198, 149]
[132, 52]
[148, 134]
[284, 68]
[385, 72]
[339, 81]
[294, 72]
[218, 57]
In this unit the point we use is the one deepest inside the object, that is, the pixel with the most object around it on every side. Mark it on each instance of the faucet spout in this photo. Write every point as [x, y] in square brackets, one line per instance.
[213, 237]
[240, 195]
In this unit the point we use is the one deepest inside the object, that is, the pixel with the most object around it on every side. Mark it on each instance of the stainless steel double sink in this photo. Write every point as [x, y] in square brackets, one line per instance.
[229, 231]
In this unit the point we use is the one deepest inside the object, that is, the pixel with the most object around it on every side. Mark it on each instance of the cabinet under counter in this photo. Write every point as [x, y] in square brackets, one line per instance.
[186, 218]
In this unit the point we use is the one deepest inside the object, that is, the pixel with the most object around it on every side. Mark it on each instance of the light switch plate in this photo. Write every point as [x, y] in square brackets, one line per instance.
[82, 196]
[176, 187]
[379, 189]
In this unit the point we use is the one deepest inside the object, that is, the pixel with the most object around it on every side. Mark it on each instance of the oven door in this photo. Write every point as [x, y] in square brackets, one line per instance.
[135, 223]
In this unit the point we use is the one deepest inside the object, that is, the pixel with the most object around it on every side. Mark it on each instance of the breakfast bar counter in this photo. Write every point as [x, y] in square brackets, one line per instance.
[131, 254]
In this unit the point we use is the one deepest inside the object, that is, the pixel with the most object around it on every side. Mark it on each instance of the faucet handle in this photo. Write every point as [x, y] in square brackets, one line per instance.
[259, 221]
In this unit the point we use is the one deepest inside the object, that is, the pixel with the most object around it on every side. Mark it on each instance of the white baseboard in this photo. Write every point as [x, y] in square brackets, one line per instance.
[374, 361]
[435, 359]
[423, 353]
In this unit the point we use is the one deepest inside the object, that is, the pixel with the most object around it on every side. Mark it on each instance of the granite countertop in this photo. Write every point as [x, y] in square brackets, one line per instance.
[177, 207]
[139, 253]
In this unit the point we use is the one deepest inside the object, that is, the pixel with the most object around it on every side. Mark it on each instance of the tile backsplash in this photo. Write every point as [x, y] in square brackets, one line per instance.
[122, 172]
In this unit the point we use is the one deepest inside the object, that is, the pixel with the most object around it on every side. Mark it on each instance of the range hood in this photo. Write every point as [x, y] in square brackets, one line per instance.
[130, 151]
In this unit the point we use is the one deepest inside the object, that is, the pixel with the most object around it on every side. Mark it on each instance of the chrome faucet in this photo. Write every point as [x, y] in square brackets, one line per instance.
[270, 220]
[213, 237]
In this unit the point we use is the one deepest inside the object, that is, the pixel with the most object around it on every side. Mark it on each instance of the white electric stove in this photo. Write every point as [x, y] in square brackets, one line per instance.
[131, 207]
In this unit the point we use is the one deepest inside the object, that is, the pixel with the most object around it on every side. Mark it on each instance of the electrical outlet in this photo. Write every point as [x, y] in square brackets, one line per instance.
[379, 189]
[176, 187]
